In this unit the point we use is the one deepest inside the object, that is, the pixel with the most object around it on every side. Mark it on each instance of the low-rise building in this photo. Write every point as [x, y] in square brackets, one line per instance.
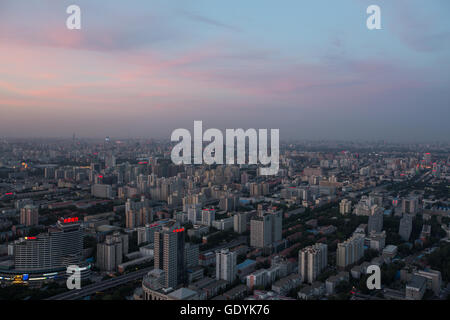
[333, 281]
[313, 291]
[390, 251]
[236, 293]
[415, 288]
[286, 284]
[434, 280]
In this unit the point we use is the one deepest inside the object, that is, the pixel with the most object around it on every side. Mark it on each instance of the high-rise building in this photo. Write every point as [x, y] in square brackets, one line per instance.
[259, 189]
[208, 217]
[194, 212]
[410, 205]
[350, 251]
[191, 253]
[138, 214]
[345, 206]
[228, 203]
[240, 222]
[375, 221]
[377, 240]
[62, 244]
[226, 265]
[147, 234]
[169, 254]
[405, 227]
[265, 229]
[29, 215]
[110, 253]
[311, 261]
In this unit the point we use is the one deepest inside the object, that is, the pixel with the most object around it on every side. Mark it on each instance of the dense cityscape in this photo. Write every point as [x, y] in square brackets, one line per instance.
[142, 228]
[213, 159]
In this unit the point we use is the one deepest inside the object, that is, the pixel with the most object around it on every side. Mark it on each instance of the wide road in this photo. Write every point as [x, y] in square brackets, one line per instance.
[101, 286]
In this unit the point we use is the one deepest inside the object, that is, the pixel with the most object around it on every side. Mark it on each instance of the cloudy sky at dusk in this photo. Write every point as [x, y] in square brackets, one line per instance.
[146, 67]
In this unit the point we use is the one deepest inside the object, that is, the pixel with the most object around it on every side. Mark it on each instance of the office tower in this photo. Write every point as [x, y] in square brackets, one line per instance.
[265, 229]
[375, 221]
[110, 253]
[29, 215]
[63, 242]
[240, 222]
[102, 191]
[208, 217]
[226, 265]
[169, 254]
[345, 206]
[138, 214]
[405, 226]
[311, 261]
[350, 251]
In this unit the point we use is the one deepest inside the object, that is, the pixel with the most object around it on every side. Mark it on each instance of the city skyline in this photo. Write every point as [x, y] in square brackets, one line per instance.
[312, 70]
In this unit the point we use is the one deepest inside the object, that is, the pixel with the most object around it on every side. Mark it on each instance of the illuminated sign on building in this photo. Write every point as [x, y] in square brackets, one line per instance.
[69, 220]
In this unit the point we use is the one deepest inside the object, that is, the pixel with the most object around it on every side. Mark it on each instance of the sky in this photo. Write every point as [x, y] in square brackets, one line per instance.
[143, 68]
